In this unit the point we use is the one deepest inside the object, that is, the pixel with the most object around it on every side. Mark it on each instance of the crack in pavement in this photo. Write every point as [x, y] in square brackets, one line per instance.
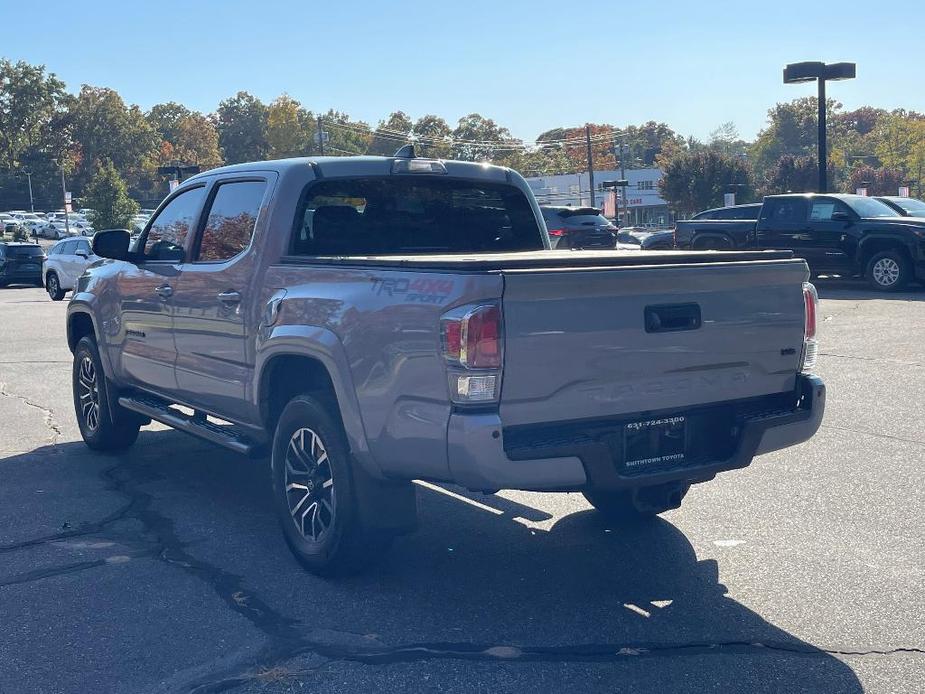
[287, 637]
[874, 434]
[48, 413]
[589, 653]
[877, 360]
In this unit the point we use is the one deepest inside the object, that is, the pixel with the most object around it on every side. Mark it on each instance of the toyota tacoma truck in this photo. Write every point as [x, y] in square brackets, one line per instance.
[363, 322]
[850, 235]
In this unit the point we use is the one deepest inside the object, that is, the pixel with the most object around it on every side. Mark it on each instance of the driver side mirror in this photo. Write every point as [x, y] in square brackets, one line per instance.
[112, 243]
[82, 254]
[841, 217]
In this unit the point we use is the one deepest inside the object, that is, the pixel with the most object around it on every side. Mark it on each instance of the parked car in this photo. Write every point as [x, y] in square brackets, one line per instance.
[53, 230]
[20, 263]
[747, 211]
[646, 239]
[578, 227]
[8, 223]
[66, 261]
[849, 235]
[906, 207]
[354, 317]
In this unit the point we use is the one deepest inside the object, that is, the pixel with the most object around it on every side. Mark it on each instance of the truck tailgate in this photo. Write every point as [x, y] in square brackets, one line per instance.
[578, 344]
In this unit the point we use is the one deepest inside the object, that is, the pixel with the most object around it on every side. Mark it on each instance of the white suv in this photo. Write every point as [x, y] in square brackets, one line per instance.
[67, 261]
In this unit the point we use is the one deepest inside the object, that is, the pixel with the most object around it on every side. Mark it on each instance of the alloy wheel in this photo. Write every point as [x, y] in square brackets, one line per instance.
[886, 272]
[88, 393]
[53, 285]
[309, 484]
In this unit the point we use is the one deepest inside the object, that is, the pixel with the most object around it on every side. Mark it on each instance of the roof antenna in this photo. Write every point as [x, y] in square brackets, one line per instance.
[406, 152]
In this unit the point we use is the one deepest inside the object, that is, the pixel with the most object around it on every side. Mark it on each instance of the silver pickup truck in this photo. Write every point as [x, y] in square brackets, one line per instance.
[368, 321]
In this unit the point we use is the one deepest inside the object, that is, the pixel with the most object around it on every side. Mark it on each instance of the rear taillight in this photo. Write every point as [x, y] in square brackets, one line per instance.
[557, 232]
[472, 341]
[810, 309]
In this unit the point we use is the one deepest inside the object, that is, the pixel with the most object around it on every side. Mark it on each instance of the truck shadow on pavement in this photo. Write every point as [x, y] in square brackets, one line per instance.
[857, 289]
[480, 581]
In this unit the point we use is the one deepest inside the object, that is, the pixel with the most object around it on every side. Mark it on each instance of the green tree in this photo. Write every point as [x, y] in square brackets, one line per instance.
[391, 134]
[30, 101]
[166, 119]
[433, 134]
[105, 128]
[477, 138]
[108, 199]
[345, 137]
[289, 128]
[792, 174]
[196, 142]
[694, 181]
[242, 128]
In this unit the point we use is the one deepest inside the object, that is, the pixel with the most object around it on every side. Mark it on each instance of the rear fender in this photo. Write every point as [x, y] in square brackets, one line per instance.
[324, 346]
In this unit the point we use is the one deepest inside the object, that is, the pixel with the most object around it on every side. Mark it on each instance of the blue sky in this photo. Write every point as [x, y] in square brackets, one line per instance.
[529, 65]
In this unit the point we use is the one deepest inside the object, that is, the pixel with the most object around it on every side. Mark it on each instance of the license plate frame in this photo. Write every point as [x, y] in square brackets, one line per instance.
[655, 443]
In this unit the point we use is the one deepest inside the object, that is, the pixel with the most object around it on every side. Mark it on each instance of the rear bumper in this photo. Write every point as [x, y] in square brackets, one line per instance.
[479, 459]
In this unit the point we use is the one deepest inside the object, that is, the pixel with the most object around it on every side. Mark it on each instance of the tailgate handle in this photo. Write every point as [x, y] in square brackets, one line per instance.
[672, 318]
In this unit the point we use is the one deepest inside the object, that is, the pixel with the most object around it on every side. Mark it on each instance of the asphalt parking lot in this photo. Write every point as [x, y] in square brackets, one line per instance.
[162, 569]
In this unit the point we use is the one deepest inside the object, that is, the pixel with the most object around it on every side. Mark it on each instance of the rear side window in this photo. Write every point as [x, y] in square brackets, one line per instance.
[408, 216]
[167, 234]
[83, 247]
[68, 248]
[231, 220]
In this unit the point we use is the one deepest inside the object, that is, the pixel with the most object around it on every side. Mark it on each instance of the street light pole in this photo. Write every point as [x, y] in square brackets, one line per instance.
[796, 73]
[67, 224]
[823, 158]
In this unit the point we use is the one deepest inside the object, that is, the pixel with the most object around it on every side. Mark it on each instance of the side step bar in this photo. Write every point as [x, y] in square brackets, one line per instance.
[195, 424]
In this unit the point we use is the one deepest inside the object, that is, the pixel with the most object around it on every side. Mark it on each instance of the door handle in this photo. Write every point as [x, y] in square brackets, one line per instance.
[230, 297]
[164, 291]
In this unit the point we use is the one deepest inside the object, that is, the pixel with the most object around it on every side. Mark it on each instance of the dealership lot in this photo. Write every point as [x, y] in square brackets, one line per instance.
[162, 569]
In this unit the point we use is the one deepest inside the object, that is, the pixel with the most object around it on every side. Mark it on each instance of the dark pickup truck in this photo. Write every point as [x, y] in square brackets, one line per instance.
[848, 235]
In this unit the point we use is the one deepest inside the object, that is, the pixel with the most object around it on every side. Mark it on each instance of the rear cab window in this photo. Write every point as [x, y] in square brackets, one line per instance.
[405, 216]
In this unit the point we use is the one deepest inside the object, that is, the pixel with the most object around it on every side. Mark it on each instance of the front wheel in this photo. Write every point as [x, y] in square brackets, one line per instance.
[889, 271]
[315, 492]
[53, 286]
[103, 427]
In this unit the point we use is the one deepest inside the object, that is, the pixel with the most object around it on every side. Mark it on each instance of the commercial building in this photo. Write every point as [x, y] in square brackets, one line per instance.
[644, 205]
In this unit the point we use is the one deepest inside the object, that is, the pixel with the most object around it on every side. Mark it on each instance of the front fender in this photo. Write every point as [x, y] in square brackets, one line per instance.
[86, 303]
[324, 346]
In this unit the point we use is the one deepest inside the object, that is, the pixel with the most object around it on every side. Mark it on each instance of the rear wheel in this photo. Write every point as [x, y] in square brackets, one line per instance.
[889, 271]
[103, 427]
[636, 504]
[53, 286]
[315, 492]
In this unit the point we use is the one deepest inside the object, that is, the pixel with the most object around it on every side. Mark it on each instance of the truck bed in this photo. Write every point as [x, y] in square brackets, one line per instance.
[541, 260]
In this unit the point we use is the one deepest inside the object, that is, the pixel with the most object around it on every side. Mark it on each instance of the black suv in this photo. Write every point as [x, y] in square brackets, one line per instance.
[21, 263]
[578, 227]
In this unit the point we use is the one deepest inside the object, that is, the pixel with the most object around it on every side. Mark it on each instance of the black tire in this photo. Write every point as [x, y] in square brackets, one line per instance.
[888, 271]
[629, 505]
[104, 427]
[53, 286]
[320, 517]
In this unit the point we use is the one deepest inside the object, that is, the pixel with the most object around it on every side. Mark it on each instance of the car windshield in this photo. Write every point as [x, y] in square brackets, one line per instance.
[868, 207]
[24, 251]
[913, 207]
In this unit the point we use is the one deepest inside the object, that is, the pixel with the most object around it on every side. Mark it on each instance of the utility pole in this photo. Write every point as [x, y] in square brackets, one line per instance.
[320, 136]
[590, 165]
[623, 192]
[31, 201]
[67, 224]
[823, 150]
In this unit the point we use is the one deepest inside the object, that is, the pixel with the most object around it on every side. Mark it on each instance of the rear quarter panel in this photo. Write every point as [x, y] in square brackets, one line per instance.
[387, 323]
